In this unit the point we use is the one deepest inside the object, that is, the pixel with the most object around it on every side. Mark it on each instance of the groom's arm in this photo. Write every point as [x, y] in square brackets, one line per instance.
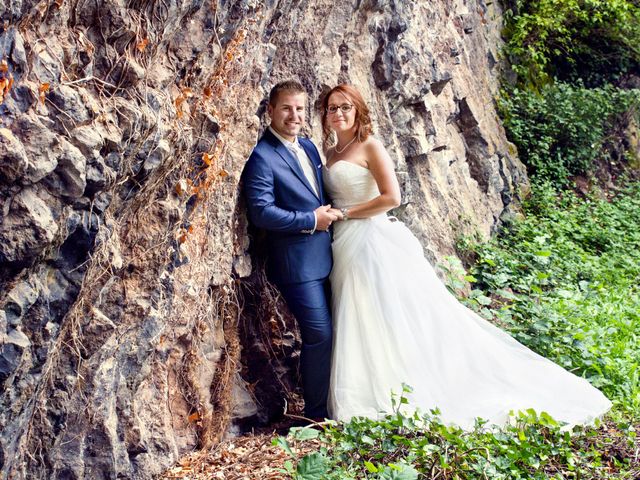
[258, 185]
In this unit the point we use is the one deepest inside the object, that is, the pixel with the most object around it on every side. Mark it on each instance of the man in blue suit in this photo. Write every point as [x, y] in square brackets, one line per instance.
[282, 182]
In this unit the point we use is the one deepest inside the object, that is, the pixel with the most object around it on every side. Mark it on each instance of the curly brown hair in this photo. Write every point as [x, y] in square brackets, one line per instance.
[363, 118]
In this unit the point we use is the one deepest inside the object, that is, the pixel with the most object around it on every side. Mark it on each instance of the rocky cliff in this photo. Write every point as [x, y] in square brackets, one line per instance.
[134, 325]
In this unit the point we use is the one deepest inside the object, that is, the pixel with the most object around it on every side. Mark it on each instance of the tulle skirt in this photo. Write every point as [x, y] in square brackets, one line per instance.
[395, 322]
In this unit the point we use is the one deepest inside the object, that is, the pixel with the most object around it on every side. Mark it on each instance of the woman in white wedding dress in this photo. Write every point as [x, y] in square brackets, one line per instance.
[394, 320]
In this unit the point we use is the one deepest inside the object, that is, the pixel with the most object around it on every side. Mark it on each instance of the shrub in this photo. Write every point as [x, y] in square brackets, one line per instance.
[572, 270]
[561, 130]
[596, 40]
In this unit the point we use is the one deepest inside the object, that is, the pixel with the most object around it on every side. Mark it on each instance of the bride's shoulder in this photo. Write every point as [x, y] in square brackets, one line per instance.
[372, 141]
[376, 152]
[373, 145]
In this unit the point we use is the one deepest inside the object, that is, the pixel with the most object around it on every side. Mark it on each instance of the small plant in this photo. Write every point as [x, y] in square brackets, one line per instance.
[405, 446]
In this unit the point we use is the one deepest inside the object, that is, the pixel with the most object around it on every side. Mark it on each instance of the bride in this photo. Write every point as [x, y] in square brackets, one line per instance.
[394, 320]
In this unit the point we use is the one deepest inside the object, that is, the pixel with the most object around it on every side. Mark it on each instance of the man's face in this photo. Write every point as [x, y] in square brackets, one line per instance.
[287, 115]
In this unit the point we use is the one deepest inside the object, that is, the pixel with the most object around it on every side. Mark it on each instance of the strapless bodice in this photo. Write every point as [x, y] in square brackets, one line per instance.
[349, 184]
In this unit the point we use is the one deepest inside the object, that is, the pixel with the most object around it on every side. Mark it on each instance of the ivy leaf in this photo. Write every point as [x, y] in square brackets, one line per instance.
[312, 467]
[399, 471]
[288, 467]
[371, 468]
[548, 419]
[284, 445]
[300, 433]
[480, 297]
[366, 439]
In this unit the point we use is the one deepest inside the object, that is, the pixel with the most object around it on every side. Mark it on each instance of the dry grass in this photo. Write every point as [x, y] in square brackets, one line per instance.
[243, 458]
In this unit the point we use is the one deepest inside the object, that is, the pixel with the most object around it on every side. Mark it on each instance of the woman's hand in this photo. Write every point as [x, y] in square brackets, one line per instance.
[337, 213]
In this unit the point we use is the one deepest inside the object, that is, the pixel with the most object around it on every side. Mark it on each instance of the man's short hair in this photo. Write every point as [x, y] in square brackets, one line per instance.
[291, 86]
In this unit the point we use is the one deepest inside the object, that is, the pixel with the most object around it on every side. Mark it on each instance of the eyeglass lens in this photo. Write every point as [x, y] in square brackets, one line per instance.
[345, 107]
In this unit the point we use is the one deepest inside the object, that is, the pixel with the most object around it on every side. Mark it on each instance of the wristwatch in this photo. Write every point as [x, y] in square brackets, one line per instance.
[345, 214]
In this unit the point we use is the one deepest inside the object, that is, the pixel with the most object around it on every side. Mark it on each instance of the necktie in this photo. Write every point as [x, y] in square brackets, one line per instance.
[307, 166]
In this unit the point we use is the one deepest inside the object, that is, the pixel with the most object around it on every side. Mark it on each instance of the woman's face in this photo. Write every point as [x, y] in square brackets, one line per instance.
[341, 113]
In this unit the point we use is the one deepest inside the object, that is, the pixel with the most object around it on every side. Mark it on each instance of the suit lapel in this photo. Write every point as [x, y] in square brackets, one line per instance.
[292, 161]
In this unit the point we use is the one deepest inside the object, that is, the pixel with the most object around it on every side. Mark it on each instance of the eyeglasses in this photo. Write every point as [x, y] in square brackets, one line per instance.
[344, 108]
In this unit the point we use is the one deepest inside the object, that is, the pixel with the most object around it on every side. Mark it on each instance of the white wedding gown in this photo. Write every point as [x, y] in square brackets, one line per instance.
[395, 322]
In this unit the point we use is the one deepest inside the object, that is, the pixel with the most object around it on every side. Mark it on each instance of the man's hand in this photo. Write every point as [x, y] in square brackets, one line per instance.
[325, 215]
[337, 213]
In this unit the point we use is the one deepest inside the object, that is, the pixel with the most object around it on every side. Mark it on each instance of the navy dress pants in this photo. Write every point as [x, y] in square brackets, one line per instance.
[309, 304]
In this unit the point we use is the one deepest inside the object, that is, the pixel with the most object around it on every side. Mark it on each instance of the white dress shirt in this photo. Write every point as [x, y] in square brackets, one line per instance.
[308, 168]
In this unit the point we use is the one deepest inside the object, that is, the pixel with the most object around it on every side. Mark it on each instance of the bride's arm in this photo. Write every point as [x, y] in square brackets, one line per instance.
[381, 167]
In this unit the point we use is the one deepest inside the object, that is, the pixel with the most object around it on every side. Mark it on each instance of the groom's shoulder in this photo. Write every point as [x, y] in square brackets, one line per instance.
[307, 141]
[263, 146]
[258, 158]
[304, 138]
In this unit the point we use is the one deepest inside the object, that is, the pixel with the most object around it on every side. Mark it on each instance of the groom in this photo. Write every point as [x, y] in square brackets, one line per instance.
[282, 182]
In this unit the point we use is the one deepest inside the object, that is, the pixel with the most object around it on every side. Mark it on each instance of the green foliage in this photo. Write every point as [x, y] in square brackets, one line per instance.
[560, 131]
[597, 40]
[407, 447]
[564, 282]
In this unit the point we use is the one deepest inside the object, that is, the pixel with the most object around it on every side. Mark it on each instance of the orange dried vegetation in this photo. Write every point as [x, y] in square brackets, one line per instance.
[6, 80]
[43, 90]
[142, 44]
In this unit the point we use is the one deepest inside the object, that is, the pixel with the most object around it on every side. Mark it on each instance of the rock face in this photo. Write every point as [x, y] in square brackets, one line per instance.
[134, 323]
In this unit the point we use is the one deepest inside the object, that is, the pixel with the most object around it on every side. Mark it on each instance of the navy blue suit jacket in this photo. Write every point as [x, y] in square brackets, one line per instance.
[281, 201]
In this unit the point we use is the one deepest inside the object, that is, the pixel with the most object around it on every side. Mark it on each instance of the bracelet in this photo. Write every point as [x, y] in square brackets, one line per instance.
[345, 213]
